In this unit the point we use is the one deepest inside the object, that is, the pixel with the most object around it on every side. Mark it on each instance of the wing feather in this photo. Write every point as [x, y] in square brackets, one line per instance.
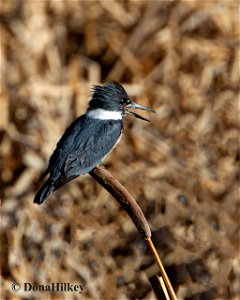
[81, 148]
[100, 143]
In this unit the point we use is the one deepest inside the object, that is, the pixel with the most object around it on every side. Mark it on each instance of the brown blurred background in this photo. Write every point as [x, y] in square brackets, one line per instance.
[180, 58]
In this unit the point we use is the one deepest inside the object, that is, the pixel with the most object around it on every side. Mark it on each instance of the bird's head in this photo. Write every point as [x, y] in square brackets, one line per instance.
[112, 99]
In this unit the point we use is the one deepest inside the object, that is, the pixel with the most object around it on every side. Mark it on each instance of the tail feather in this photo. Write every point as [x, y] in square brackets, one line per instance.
[44, 192]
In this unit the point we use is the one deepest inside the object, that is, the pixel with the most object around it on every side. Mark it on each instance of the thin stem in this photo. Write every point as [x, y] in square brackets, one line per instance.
[162, 270]
[162, 283]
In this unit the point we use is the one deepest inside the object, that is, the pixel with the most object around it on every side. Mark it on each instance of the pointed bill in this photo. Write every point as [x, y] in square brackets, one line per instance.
[138, 106]
[129, 112]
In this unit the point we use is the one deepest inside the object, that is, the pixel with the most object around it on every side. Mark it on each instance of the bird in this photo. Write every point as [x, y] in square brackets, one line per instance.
[90, 138]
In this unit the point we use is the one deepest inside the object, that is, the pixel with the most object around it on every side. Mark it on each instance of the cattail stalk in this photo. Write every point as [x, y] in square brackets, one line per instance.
[103, 177]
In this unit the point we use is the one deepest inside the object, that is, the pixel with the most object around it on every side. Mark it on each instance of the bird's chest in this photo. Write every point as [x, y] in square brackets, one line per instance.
[114, 145]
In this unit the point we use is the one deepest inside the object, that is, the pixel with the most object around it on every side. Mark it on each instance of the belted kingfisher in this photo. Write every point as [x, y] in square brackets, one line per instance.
[90, 138]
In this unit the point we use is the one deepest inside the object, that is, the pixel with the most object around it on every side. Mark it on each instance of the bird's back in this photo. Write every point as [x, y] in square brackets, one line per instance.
[83, 145]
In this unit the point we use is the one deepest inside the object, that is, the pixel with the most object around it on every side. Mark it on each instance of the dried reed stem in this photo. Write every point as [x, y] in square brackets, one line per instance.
[162, 283]
[162, 270]
[103, 177]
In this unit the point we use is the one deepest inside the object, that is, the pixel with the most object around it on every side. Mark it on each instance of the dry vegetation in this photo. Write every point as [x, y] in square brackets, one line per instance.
[180, 58]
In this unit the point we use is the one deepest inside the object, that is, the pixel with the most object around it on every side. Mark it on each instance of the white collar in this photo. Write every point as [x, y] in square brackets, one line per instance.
[103, 114]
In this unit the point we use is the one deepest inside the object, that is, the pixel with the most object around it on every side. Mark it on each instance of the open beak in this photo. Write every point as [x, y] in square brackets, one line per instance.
[137, 106]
